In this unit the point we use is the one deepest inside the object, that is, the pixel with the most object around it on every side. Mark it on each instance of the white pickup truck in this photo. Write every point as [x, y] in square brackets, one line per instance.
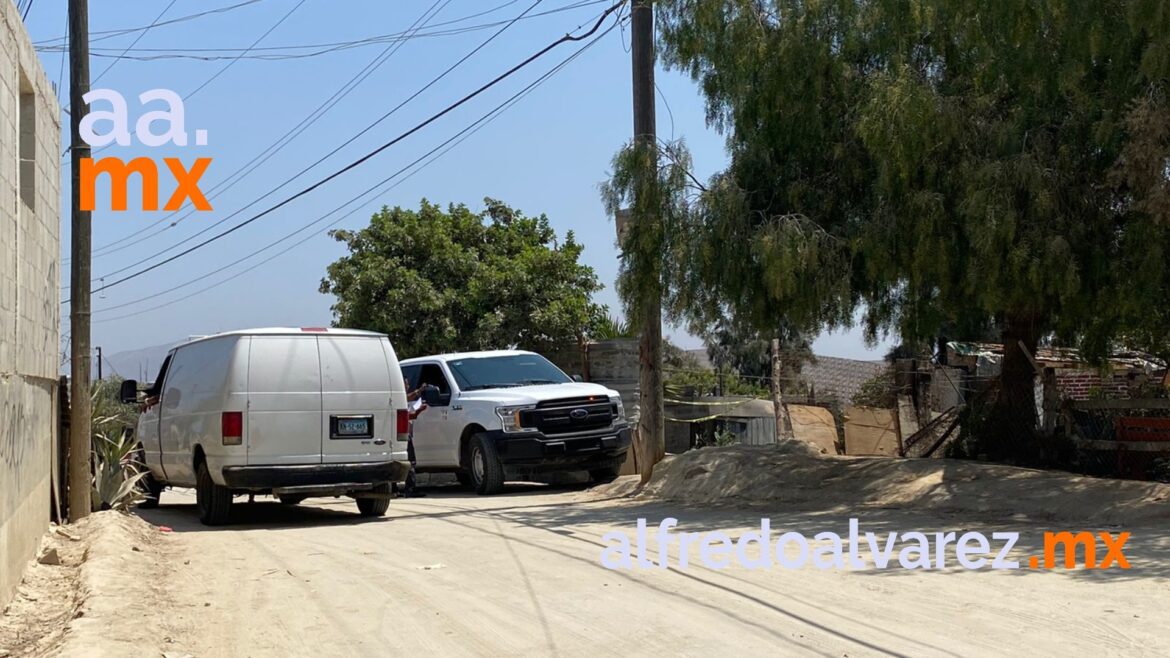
[500, 415]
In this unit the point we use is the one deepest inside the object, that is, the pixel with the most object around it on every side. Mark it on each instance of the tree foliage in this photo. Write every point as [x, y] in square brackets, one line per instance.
[440, 281]
[935, 162]
[747, 351]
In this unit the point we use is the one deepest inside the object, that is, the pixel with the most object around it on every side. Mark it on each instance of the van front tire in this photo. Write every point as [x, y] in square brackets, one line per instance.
[214, 501]
[487, 471]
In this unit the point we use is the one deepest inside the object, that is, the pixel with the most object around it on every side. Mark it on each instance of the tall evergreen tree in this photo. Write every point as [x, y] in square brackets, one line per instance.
[934, 162]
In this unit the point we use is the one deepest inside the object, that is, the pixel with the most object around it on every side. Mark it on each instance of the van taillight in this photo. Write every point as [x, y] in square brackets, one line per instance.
[232, 425]
[403, 424]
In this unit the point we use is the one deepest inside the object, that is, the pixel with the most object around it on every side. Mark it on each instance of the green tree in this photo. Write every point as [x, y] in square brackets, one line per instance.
[934, 162]
[747, 351]
[440, 281]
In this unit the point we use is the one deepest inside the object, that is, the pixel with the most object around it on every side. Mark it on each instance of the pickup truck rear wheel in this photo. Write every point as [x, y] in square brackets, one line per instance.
[487, 472]
[375, 506]
[214, 501]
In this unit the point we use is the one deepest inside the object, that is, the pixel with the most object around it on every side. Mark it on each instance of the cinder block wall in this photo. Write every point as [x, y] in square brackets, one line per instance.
[30, 155]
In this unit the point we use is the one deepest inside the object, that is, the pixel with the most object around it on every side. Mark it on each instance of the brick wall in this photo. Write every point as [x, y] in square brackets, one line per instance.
[1083, 384]
[30, 264]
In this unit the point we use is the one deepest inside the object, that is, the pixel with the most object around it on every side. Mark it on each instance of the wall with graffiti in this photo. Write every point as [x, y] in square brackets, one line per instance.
[30, 302]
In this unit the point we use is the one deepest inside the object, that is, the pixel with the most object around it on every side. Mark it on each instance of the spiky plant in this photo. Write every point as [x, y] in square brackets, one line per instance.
[117, 471]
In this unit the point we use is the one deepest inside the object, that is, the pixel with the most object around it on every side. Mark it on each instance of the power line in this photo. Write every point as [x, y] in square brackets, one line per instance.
[135, 41]
[255, 43]
[356, 163]
[27, 8]
[110, 34]
[61, 66]
[446, 147]
[218, 73]
[352, 139]
[269, 54]
[284, 140]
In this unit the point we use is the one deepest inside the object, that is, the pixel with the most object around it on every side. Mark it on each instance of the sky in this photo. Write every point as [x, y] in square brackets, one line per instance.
[546, 153]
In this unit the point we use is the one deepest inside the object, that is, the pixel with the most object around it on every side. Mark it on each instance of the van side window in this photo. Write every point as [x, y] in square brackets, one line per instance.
[432, 375]
[156, 386]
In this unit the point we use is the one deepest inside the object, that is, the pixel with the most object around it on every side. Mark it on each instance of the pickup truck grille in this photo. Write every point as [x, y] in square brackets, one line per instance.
[570, 415]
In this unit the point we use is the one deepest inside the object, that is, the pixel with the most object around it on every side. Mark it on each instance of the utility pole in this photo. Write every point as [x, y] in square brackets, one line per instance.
[783, 422]
[650, 420]
[80, 246]
[99, 363]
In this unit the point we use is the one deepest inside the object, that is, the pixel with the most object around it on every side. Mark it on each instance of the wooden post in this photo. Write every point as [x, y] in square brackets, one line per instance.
[783, 422]
[80, 248]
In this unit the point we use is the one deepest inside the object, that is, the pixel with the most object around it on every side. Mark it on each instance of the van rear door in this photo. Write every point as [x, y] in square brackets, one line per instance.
[358, 421]
[284, 401]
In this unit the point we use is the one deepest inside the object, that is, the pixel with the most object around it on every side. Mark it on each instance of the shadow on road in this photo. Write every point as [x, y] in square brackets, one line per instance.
[177, 509]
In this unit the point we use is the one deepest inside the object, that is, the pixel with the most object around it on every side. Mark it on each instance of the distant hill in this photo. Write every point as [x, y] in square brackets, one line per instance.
[141, 364]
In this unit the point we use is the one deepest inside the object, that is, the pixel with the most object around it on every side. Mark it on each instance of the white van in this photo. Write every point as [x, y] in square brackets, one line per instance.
[288, 412]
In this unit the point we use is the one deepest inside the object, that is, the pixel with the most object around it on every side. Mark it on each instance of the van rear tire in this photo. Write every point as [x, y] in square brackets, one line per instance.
[214, 501]
[487, 471]
[371, 507]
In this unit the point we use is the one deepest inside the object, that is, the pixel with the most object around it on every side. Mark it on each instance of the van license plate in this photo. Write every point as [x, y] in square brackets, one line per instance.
[352, 427]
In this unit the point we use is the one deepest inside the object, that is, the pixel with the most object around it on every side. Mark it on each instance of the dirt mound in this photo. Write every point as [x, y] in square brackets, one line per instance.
[769, 475]
[121, 584]
[93, 597]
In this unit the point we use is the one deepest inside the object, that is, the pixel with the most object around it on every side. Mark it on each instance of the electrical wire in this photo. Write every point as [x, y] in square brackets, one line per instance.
[269, 53]
[236, 60]
[284, 140]
[110, 34]
[445, 147]
[365, 158]
[27, 8]
[61, 68]
[352, 139]
[222, 69]
[135, 41]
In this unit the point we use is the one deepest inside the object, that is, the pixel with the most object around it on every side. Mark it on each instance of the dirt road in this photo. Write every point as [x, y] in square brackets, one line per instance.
[456, 574]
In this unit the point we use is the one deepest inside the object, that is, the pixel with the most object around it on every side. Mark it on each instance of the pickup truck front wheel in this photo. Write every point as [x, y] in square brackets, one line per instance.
[214, 501]
[487, 472]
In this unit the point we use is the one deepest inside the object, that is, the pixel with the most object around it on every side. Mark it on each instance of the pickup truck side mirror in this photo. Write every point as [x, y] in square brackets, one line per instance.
[578, 378]
[128, 394]
[431, 396]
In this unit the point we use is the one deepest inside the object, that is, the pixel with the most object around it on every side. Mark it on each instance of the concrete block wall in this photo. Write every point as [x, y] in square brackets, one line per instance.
[30, 170]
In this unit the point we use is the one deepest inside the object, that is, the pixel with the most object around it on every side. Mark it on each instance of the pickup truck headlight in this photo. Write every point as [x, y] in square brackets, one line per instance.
[510, 418]
[619, 408]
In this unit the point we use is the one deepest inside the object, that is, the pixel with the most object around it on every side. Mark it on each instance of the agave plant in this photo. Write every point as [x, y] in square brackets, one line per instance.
[116, 470]
[610, 327]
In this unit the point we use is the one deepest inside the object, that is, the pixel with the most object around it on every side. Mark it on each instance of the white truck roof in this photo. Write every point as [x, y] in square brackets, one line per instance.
[464, 355]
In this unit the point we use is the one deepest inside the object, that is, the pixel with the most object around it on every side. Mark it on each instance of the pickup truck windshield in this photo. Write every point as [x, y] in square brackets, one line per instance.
[505, 371]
